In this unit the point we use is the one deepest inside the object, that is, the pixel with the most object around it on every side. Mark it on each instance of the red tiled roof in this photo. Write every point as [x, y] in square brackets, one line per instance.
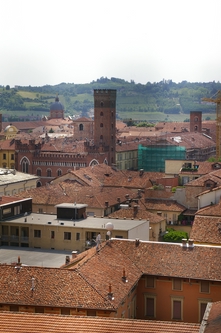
[214, 176]
[157, 204]
[44, 323]
[211, 322]
[53, 287]
[206, 229]
[139, 212]
[105, 175]
[69, 192]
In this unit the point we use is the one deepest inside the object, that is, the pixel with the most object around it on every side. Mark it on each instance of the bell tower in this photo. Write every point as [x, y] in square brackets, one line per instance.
[196, 121]
[105, 121]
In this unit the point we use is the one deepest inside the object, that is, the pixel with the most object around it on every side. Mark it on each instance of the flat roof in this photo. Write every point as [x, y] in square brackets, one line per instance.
[33, 257]
[88, 223]
[71, 205]
[8, 176]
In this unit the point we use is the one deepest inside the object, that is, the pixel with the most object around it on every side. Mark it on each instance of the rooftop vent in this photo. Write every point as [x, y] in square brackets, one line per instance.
[49, 222]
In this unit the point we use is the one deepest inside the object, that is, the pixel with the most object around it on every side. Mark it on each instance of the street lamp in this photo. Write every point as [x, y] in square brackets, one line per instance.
[109, 227]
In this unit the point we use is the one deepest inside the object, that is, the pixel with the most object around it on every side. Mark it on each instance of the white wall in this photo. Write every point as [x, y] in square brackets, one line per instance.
[141, 232]
[206, 198]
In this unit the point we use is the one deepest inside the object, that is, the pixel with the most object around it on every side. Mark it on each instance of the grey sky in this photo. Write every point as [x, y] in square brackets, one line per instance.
[51, 41]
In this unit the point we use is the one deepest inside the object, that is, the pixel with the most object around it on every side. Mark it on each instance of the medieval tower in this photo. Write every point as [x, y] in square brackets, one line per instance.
[105, 121]
[196, 121]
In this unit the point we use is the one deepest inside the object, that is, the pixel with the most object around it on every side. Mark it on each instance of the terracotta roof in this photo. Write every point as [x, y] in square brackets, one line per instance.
[69, 192]
[9, 199]
[53, 287]
[190, 140]
[152, 258]
[40, 323]
[157, 204]
[214, 176]
[206, 229]
[7, 144]
[211, 210]
[203, 168]
[139, 212]
[105, 175]
[211, 322]
[86, 284]
[208, 127]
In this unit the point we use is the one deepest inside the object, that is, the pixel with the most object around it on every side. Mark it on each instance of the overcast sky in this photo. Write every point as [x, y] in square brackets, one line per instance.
[78, 41]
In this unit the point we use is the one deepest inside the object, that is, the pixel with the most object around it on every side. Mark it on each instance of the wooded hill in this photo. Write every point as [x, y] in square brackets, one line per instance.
[160, 101]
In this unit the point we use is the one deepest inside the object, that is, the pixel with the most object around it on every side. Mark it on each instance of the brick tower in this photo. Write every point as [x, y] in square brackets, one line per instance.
[105, 121]
[196, 121]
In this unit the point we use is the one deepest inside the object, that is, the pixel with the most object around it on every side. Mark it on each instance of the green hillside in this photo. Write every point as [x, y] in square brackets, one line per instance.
[161, 101]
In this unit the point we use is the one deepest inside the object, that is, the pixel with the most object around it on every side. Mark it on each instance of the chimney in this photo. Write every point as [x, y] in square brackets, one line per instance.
[141, 172]
[110, 294]
[67, 260]
[137, 242]
[106, 203]
[190, 243]
[124, 279]
[74, 254]
[184, 242]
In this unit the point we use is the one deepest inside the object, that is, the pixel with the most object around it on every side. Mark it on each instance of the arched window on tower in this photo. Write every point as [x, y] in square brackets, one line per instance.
[39, 172]
[101, 114]
[24, 165]
[196, 119]
[195, 128]
[102, 103]
[101, 125]
[59, 172]
[81, 127]
[48, 172]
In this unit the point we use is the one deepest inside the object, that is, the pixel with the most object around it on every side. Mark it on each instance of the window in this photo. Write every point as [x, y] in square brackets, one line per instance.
[101, 114]
[101, 125]
[59, 172]
[202, 309]
[39, 309]
[78, 236]
[24, 165]
[102, 104]
[37, 233]
[150, 306]
[177, 284]
[81, 127]
[67, 235]
[177, 308]
[38, 172]
[52, 234]
[14, 308]
[4, 156]
[12, 157]
[91, 313]
[65, 311]
[204, 286]
[150, 282]
[49, 173]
